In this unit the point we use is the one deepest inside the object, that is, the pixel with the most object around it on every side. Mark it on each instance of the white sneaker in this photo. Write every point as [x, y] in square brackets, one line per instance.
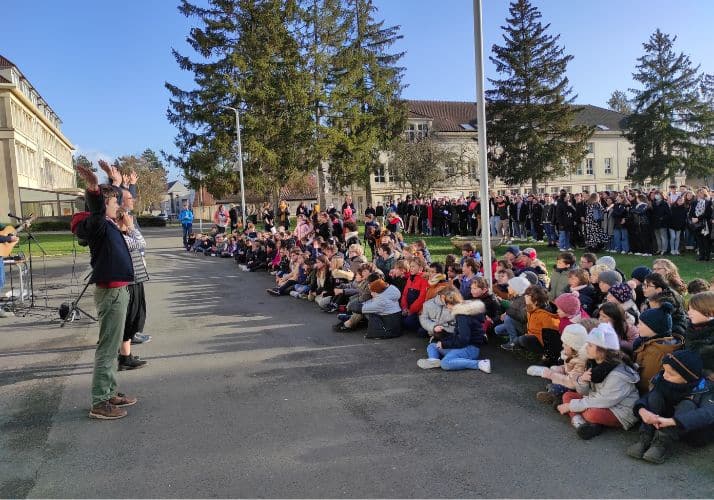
[429, 363]
[535, 370]
[577, 421]
[484, 365]
[6, 314]
[294, 294]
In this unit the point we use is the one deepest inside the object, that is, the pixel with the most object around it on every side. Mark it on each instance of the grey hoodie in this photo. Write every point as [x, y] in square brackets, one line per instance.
[618, 392]
[433, 313]
[386, 302]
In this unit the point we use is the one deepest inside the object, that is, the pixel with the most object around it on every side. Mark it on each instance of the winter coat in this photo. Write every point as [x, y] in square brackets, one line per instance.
[660, 214]
[558, 282]
[385, 265]
[414, 293]
[436, 313]
[492, 305]
[617, 392]
[539, 320]
[619, 213]
[680, 320]
[649, 355]
[567, 374]
[703, 417]
[517, 312]
[469, 317]
[565, 214]
[677, 218]
[328, 286]
[384, 303]
[586, 295]
[700, 339]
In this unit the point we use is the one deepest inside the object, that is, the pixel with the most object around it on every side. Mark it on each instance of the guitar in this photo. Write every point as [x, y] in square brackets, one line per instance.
[6, 248]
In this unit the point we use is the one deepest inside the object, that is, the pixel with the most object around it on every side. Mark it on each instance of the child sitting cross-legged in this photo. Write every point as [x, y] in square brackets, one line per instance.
[655, 340]
[458, 350]
[563, 377]
[606, 391]
[680, 405]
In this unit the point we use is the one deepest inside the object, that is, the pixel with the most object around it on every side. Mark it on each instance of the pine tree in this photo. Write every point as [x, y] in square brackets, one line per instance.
[669, 118]
[618, 102]
[367, 112]
[249, 59]
[701, 159]
[531, 125]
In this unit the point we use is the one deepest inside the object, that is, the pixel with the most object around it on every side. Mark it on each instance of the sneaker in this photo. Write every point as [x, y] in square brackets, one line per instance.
[535, 370]
[578, 421]
[139, 338]
[545, 397]
[589, 431]
[130, 362]
[121, 400]
[344, 317]
[293, 293]
[508, 346]
[303, 296]
[428, 363]
[341, 327]
[331, 308]
[484, 365]
[106, 411]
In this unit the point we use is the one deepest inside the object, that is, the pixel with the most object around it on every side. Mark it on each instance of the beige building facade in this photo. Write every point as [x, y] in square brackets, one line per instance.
[454, 124]
[36, 172]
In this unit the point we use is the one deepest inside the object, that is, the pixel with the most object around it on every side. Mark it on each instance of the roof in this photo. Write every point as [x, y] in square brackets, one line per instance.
[6, 63]
[169, 185]
[307, 191]
[4, 80]
[460, 116]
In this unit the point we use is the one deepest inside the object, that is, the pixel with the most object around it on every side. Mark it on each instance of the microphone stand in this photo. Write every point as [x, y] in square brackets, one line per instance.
[30, 239]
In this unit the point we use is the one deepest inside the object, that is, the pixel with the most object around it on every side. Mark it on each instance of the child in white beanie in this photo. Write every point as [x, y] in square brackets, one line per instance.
[515, 318]
[606, 391]
[563, 376]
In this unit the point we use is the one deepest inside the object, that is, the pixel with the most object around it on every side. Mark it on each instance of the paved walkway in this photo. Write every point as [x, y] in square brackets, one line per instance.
[246, 395]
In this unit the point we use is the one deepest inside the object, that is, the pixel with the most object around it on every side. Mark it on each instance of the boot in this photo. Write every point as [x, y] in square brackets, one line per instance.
[638, 449]
[588, 431]
[660, 447]
[130, 362]
[545, 397]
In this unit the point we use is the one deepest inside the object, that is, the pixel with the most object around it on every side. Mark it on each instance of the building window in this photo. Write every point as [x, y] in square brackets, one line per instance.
[609, 187]
[450, 169]
[579, 170]
[473, 168]
[591, 147]
[585, 189]
[394, 176]
[541, 190]
[588, 166]
[417, 131]
[630, 161]
[554, 189]
[379, 174]
[608, 166]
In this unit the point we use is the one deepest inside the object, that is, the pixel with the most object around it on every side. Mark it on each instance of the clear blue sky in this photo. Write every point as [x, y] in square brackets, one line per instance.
[102, 65]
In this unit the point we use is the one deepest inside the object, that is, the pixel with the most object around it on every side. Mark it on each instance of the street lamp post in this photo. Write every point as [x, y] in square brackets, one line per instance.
[483, 159]
[240, 164]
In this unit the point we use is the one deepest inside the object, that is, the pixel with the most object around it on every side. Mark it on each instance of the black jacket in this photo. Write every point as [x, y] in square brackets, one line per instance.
[111, 260]
[564, 215]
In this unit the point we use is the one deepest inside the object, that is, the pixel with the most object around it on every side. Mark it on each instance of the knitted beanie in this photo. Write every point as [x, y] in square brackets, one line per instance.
[531, 277]
[519, 284]
[569, 303]
[530, 252]
[611, 278]
[604, 336]
[622, 292]
[607, 261]
[640, 273]
[687, 363]
[574, 335]
[660, 319]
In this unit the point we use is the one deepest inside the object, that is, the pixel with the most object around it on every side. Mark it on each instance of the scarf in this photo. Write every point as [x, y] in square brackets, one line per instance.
[600, 371]
[698, 212]
[673, 394]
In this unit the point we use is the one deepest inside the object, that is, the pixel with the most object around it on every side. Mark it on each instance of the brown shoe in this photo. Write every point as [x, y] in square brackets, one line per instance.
[106, 411]
[122, 399]
[545, 397]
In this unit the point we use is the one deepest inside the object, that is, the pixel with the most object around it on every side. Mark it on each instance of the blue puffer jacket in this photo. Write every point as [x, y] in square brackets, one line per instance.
[469, 317]
[703, 416]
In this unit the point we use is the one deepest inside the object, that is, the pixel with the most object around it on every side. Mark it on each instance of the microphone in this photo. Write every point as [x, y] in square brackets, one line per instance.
[12, 216]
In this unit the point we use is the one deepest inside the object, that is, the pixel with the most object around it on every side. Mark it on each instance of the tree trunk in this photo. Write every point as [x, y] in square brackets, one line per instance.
[533, 185]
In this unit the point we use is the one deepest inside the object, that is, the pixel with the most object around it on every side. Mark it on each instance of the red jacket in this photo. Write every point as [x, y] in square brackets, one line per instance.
[415, 288]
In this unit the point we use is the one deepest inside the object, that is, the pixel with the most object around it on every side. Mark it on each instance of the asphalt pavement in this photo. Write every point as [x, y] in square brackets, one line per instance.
[249, 395]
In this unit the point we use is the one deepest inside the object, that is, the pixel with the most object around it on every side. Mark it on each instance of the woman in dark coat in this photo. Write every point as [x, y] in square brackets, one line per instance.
[700, 215]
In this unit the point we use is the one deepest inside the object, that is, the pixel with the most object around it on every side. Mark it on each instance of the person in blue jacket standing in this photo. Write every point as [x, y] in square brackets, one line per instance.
[186, 218]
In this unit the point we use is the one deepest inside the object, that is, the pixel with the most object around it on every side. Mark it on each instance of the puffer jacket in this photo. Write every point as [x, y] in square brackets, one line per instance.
[617, 392]
[649, 355]
[700, 339]
[568, 373]
[436, 313]
[558, 282]
[385, 303]
[414, 293]
[540, 320]
[469, 317]
[517, 312]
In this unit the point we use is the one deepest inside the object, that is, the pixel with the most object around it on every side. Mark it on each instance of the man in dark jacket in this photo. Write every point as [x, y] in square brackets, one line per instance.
[112, 271]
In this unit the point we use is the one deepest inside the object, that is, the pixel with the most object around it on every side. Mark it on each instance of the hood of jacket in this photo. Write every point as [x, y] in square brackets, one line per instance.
[469, 308]
[625, 373]
[392, 293]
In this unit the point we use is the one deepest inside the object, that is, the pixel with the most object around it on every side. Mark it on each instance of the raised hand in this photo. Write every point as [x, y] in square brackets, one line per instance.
[133, 177]
[112, 172]
[89, 176]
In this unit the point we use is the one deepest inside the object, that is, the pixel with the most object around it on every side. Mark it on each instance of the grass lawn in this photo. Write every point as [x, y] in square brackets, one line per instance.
[54, 243]
[689, 268]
